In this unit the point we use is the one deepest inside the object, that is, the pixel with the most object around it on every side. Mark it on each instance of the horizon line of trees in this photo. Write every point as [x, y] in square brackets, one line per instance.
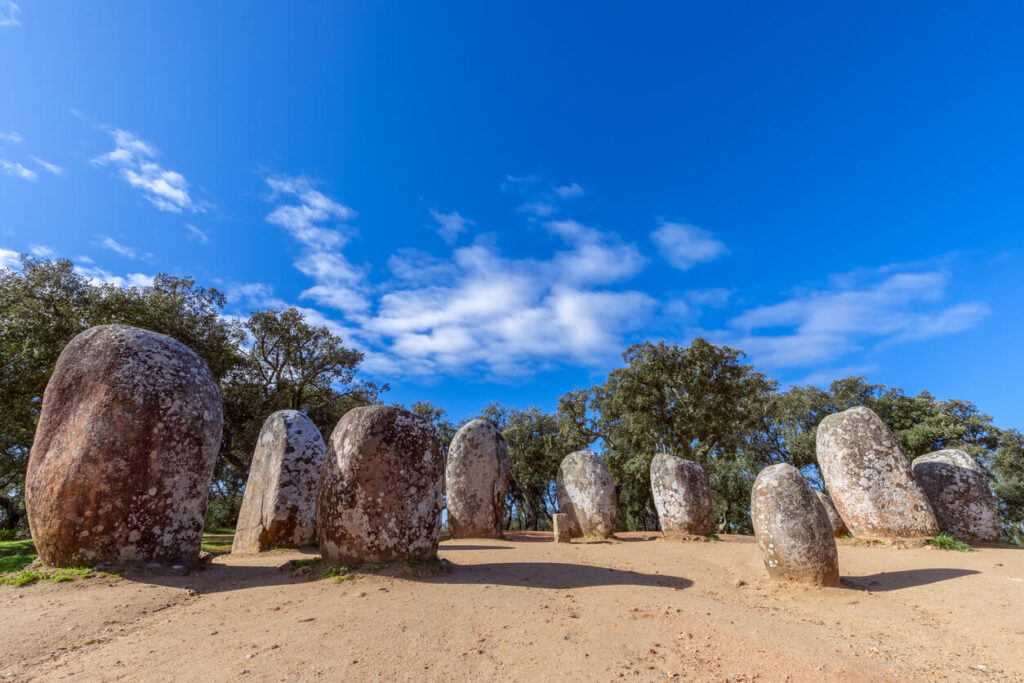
[700, 402]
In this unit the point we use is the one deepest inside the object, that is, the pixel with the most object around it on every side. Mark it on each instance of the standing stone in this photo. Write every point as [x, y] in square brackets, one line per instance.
[792, 529]
[561, 524]
[959, 493]
[682, 495]
[279, 507]
[869, 477]
[127, 438]
[477, 476]
[838, 525]
[379, 497]
[585, 491]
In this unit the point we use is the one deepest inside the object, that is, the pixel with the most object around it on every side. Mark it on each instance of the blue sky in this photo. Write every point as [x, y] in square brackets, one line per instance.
[494, 201]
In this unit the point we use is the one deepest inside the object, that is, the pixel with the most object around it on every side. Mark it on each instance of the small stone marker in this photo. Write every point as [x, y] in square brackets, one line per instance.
[125, 447]
[792, 529]
[959, 493]
[561, 524]
[838, 525]
[863, 465]
[279, 507]
[585, 491]
[477, 477]
[682, 496]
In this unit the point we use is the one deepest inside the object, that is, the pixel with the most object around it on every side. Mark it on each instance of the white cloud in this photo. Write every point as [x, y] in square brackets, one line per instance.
[9, 259]
[12, 136]
[15, 169]
[568, 191]
[115, 246]
[450, 225]
[41, 251]
[9, 14]
[51, 168]
[715, 298]
[99, 276]
[540, 208]
[135, 158]
[684, 246]
[195, 233]
[513, 182]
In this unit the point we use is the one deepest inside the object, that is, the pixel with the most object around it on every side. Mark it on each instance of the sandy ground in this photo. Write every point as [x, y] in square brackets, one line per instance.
[638, 608]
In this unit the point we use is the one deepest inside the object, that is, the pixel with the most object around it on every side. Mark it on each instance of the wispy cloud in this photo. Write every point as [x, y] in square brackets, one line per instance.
[47, 166]
[195, 233]
[450, 225]
[684, 246]
[568, 191]
[41, 251]
[9, 259]
[115, 246]
[99, 276]
[9, 14]
[15, 169]
[12, 137]
[136, 160]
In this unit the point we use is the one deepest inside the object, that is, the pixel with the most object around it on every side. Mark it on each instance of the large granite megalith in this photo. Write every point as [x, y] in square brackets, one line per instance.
[792, 529]
[959, 493]
[863, 465]
[682, 496]
[586, 493]
[839, 528]
[125, 447]
[477, 477]
[279, 507]
[379, 497]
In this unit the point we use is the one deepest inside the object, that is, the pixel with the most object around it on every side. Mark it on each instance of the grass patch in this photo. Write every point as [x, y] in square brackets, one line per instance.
[298, 564]
[339, 574]
[429, 565]
[218, 541]
[947, 542]
[713, 537]
[15, 563]
[7, 534]
[374, 567]
[26, 577]
[25, 547]
[220, 530]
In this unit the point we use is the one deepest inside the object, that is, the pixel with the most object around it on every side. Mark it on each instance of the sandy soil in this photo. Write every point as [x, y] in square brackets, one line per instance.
[639, 608]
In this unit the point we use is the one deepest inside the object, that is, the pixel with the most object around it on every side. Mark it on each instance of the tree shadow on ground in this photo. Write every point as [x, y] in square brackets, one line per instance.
[553, 575]
[908, 578]
[445, 546]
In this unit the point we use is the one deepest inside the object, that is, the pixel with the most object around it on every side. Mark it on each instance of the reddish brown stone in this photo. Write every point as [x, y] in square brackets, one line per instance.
[379, 497]
[124, 451]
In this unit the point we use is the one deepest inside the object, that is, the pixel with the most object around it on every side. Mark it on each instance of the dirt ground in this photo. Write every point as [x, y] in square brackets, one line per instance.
[638, 608]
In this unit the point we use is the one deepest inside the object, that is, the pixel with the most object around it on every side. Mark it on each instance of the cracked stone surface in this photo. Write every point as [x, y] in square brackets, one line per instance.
[868, 475]
[279, 507]
[125, 447]
[380, 492]
[792, 528]
[682, 495]
[959, 493]
[586, 493]
[477, 476]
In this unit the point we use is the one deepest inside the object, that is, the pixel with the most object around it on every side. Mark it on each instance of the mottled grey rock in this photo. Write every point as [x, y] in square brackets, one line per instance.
[959, 493]
[863, 465]
[279, 507]
[682, 495]
[561, 523]
[835, 519]
[125, 447]
[477, 478]
[792, 529]
[585, 491]
[379, 497]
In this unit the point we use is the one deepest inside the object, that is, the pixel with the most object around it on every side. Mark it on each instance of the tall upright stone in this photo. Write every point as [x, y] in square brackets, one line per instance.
[793, 531]
[379, 497]
[586, 493]
[477, 476]
[124, 450]
[959, 493]
[560, 524]
[839, 528]
[863, 465]
[682, 496]
[279, 507]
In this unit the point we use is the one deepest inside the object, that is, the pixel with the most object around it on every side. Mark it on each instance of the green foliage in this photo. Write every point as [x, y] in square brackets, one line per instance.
[8, 534]
[947, 542]
[216, 543]
[28, 576]
[15, 563]
[339, 574]
[426, 565]
[1007, 464]
[376, 567]
[308, 562]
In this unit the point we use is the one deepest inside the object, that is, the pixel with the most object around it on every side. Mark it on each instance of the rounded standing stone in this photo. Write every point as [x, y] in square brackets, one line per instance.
[838, 525]
[959, 493]
[586, 493]
[792, 529]
[863, 465]
[477, 476]
[279, 507]
[379, 497]
[682, 495]
[127, 438]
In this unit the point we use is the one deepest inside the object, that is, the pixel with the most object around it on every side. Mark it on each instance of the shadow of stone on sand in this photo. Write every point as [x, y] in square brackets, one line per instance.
[554, 575]
[894, 581]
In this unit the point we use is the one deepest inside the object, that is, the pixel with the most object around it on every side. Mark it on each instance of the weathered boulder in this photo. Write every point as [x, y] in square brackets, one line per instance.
[279, 507]
[792, 529]
[863, 465]
[379, 497]
[585, 491]
[125, 447]
[959, 493]
[838, 525]
[682, 495]
[477, 476]
[560, 520]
